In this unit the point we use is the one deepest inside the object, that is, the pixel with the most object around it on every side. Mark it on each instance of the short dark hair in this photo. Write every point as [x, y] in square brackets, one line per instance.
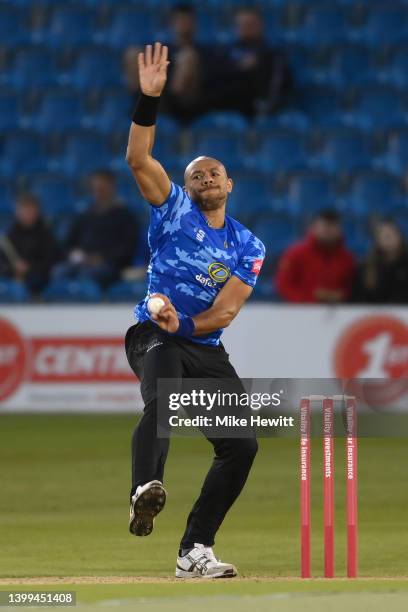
[184, 8]
[106, 174]
[328, 214]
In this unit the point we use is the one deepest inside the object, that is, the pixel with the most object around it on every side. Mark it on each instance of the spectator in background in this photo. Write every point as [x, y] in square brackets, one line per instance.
[28, 249]
[382, 278]
[182, 97]
[249, 76]
[318, 269]
[103, 240]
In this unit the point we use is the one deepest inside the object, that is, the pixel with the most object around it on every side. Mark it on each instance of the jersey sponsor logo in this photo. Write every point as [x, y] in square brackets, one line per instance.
[207, 282]
[218, 272]
[256, 266]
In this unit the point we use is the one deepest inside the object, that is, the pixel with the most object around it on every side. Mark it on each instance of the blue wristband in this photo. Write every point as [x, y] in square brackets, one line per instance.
[186, 327]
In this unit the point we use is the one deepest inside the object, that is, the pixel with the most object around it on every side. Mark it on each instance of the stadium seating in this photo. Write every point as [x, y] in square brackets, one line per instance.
[345, 151]
[22, 154]
[343, 142]
[9, 112]
[282, 151]
[72, 291]
[56, 194]
[12, 292]
[59, 111]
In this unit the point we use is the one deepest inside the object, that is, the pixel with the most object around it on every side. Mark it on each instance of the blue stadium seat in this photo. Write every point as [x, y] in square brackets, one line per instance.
[225, 121]
[345, 151]
[12, 292]
[356, 236]
[397, 70]
[83, 153]
[95, 68]
[346, 120]
[56, 194]
[72, 291]
[276, 232]
[282, 152]
[386, 24]
[114, 114]
[309, 192]
[395, 160]
[249, 197]
[227, 148]
[323, 23]
[318, 101]
[58, 112]
[127, 291]
[129, 26]
[293, 120]
[32, 67]
[351, 65]
[375, 193]
[9, 112]
[383, 105]
[22, 153]
[209, 27]
[70, 26]
[6, 199]
[12, 32]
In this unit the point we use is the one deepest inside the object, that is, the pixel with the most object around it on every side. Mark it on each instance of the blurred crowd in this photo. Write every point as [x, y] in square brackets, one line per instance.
[247, 75]
[105, 243]
[102, 242]
[98, 246]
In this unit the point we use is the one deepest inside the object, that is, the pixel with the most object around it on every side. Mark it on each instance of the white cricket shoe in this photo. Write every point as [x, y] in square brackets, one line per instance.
[146, 503]
[201, 562]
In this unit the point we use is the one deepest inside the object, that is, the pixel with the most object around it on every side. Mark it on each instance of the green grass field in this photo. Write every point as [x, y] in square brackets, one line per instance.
[63, 513]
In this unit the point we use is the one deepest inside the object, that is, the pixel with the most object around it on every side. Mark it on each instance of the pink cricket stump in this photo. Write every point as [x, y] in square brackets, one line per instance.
[351, 491]
[328, 486]
[305, 487]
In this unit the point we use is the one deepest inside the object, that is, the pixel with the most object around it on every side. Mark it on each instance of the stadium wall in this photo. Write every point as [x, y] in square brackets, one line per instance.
[71, 358]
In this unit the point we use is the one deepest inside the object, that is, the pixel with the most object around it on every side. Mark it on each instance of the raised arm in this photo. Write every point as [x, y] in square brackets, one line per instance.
[153, 182]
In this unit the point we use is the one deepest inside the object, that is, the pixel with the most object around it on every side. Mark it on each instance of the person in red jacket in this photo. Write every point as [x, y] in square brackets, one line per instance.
[318, 268]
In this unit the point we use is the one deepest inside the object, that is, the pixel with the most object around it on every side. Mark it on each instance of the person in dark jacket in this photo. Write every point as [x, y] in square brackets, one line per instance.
[102, 241]
[318, 269]
[249, 75]
[382, 277]
[28, 249]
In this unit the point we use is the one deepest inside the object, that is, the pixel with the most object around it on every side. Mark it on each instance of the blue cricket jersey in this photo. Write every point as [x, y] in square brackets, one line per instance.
[190, 261]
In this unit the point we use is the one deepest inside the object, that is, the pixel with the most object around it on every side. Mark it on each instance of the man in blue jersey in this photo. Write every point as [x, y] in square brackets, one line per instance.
[204, 265]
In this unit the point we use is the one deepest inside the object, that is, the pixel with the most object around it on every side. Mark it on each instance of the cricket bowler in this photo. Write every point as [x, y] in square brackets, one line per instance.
[203, 265]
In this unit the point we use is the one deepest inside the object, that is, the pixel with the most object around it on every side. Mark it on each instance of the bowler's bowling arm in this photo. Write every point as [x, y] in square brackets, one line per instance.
[225, 308]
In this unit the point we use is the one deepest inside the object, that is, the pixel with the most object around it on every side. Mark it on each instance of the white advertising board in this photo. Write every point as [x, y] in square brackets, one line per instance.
[72, 358]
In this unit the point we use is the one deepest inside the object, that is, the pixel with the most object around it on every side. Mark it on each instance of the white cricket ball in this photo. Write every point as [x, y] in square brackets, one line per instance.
[154, 305]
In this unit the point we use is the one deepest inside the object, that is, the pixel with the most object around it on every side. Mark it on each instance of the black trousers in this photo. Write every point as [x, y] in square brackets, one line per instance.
[153, 354]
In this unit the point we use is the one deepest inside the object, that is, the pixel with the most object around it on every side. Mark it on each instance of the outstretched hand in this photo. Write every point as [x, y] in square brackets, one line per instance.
[153, 69]
[167, 318]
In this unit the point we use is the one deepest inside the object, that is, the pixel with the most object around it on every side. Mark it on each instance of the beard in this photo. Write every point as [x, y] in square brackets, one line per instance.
[209, 201]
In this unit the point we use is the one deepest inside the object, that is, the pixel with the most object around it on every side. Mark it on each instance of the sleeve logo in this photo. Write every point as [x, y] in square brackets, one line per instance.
[256, 266]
